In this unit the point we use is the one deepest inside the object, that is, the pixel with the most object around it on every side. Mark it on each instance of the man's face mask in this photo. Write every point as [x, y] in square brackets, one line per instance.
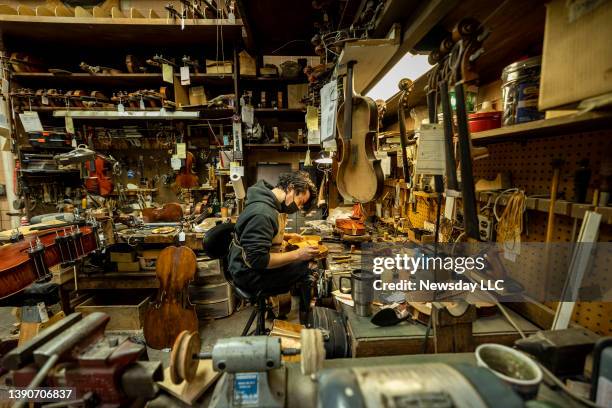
[290, 208]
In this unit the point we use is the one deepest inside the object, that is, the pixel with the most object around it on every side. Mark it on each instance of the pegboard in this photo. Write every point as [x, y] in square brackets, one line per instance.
[529, 163]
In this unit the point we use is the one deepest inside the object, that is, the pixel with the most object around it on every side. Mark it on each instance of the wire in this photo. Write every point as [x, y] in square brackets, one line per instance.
[286, 44]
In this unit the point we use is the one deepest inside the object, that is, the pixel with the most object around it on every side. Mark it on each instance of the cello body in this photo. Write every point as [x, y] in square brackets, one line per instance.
[171, 312]
[360, 177]
[170, 212]
[18, 270]
[187, 178]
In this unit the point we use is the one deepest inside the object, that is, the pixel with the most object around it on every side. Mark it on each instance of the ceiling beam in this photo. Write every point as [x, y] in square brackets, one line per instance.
[425, 19]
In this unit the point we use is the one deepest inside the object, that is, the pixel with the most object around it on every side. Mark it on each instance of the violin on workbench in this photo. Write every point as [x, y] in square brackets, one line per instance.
[360, 177]
[171, 312]
[27, 261]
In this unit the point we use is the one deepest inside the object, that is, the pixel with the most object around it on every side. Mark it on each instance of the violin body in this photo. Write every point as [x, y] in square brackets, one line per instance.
[168, 213]
[98, 182]
[17, 270]
[171, 312]
[360, 177]
[187, 177]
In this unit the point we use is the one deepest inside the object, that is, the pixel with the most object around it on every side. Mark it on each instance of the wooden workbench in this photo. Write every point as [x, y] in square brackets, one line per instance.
[368, 340]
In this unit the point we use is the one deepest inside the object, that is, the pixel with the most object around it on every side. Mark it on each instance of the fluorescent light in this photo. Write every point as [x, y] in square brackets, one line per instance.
[410, 66]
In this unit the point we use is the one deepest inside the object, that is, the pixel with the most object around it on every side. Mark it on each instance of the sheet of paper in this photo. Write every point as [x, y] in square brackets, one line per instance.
[237, 169]
[312, 118]
[168, 73]
[314, 137]
[181, 150]
[69, 125]
[185, 79]
[31, 121]
[430, 150]
[329, 103]
[248, 114]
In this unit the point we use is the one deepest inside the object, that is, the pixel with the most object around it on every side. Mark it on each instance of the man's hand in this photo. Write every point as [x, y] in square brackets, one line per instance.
[307, 253]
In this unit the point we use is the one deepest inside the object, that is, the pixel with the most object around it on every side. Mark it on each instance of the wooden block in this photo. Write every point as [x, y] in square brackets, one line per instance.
[116, 13]
[63, 11]
[29, 330]
[126, 312]
[25, 11]
[100, 12]
[43, 11]
[134, 13]
[6, 9]
[188, 392]
[81, 12]
[128, 266]
[123, 256]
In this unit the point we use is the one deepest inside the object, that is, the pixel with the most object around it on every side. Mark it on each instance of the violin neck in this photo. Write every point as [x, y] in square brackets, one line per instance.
[348, 101]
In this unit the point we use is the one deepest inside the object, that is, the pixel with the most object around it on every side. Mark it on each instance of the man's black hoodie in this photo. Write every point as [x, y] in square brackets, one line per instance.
[255, 228]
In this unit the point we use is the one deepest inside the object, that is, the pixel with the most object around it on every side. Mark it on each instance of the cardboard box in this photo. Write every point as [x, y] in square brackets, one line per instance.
[577, 57]
[219, 67]
[248, 65]
[197, 95]
[295, 94]
[128, 266]
[123, 256]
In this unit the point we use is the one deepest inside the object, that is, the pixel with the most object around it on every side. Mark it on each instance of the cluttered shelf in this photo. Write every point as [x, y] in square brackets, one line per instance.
[281, 146]
[111, 80]
[579, 122]
[107, 32]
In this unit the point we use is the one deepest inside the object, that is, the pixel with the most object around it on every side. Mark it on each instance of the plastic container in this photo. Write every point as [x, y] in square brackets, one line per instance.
[520, 91]
[481, 121]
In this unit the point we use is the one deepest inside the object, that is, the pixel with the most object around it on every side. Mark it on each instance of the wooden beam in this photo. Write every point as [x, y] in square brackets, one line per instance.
[425, 19]
[249, 42]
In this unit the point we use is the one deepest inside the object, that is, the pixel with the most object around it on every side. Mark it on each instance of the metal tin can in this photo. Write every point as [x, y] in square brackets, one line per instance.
[520, 91]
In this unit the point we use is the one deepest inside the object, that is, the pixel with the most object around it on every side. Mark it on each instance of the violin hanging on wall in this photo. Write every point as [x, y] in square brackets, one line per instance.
[187, 177]
[98, 181]
[360, 177]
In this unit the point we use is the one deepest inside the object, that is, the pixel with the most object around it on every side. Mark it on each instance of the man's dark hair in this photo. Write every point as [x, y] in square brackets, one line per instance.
[300, 181]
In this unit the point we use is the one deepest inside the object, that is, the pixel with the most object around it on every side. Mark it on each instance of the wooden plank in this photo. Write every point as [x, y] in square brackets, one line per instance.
[134, 13]
[545, 127]
[25, 11]
[430, 14]
[81, 12]
[44, 11]
[63, 11]
[19, 31]
[6, 9]
[116, 13]
[100, 12]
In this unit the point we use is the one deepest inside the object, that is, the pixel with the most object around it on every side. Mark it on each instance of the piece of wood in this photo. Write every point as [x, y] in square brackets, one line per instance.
[63, 11]
[134, 13]
[6, 9]
[188, 392]
[28, 330]
[81, 12]
[153, 14]
[100, 12]
[44, 11]
[25, 11]
[116, 13]
[126, 312]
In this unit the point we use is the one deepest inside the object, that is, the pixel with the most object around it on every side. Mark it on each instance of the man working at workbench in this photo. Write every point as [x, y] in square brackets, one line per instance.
[255, 260]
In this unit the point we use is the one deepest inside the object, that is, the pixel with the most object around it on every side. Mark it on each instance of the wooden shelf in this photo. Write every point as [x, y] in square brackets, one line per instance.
[114, 114]
[546, 127]
[126, 80]
[280, 146]
[114, 32]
